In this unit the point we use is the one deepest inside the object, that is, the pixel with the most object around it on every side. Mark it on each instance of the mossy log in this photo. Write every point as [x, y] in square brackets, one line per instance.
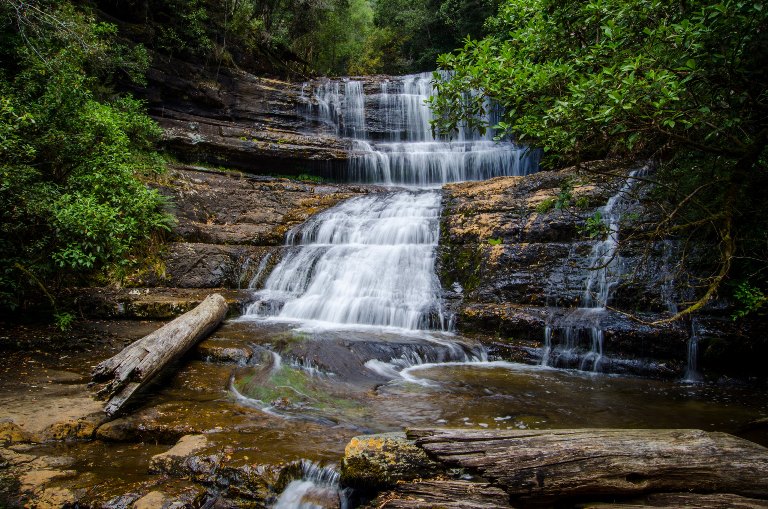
[136, 365]
[548, 465]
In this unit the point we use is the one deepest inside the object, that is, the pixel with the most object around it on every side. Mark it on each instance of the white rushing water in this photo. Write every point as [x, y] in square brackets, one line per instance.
[318, 488]
[393, 139]
[367, 261]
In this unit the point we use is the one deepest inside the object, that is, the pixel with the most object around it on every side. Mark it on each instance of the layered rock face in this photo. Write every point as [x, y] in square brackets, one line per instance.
[238, 120]
[515, 257]
[228, 223]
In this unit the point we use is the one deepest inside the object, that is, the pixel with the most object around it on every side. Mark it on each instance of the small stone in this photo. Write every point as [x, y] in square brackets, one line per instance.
[173, 459]
[152, 500]
[12, 433]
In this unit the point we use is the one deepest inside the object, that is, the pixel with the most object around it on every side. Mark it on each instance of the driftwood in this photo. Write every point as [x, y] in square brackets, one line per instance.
[445, 494]
[587, 463]
[136, 365]
[686, 501]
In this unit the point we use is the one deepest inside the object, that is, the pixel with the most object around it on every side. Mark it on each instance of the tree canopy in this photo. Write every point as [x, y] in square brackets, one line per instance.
[682, 83]
[334, 37]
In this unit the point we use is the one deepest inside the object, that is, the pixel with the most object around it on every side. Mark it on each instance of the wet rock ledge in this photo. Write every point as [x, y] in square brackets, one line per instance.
[512, 263]
[230, 229]
[231, 117]
[560, 468]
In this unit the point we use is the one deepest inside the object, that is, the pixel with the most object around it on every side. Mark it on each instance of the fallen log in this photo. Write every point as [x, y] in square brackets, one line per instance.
[576, 464]
[686, 501]
[137, 364]
[443, 494]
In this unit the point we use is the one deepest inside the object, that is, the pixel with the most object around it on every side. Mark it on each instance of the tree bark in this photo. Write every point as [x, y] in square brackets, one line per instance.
[578, 464]
[686, 501]
[136, 365]
[443, 494]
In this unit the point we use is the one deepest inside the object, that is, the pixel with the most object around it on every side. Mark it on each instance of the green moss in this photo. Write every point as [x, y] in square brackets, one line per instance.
[292, 388]
[582, 202]
[461, 263]
[546, 205]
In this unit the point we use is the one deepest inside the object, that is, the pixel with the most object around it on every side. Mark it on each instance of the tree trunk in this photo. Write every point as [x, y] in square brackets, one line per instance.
[562, 464]
[136, 365]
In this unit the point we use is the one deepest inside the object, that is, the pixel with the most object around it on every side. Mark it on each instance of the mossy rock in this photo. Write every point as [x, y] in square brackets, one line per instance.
[373, 462]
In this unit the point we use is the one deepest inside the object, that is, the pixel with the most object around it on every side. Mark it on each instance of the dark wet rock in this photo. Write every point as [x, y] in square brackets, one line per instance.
[217, 207]
[198, 265]
[346, 356]
[378, 461]
[148, 303]
[512, 263]
[232, 117]
[224, 351]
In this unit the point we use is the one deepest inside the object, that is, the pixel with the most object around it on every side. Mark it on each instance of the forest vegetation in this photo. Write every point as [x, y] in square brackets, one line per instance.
[682, 84]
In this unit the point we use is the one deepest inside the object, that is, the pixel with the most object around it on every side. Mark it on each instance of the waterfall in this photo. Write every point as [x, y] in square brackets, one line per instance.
[602, 275]
[367, 261]
[393, 141]
[370, 260]
[672, 265]
[318, 488]
[692, 373]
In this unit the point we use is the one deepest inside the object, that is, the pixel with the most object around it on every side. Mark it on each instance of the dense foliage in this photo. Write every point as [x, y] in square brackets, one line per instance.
[682, 83]
[70, 151]
[304, 37]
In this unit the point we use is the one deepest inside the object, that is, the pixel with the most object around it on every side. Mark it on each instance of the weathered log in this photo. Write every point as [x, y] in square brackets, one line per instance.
[136, 365]
[686, 501]
[557, 464]
[445, 494]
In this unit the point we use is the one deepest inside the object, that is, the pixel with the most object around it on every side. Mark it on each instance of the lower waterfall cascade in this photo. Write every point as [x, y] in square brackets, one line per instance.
[368, 261]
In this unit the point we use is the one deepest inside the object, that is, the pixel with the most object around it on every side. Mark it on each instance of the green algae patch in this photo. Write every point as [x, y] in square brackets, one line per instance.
[295, 390]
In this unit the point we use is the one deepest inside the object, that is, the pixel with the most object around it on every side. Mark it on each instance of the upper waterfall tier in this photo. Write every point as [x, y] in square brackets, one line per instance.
[390, 123]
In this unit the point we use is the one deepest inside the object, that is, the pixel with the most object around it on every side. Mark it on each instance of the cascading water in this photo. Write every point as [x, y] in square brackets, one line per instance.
[692, 374]
[669, 288]
[602, 276]
[368, 261]
[393, 141]
[318, 488]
